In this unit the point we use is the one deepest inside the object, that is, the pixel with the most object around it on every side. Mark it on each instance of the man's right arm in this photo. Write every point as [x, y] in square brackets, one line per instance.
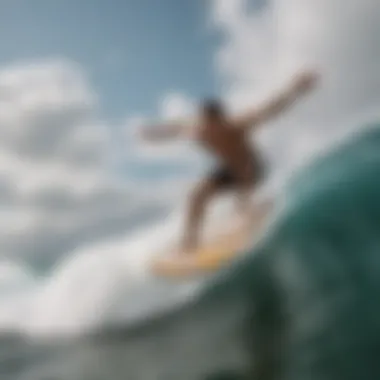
[164, 132]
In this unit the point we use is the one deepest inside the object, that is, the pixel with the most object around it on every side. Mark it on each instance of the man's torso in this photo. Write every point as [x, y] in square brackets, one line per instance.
[231, 145]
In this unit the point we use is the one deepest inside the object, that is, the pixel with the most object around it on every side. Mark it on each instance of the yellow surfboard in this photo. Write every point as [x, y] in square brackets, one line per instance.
[215, 253]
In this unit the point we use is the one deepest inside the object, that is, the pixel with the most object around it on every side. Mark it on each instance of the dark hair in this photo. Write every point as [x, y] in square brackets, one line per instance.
[212, 107]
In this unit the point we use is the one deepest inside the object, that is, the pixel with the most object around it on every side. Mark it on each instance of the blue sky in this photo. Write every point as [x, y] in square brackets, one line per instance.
[134, 51]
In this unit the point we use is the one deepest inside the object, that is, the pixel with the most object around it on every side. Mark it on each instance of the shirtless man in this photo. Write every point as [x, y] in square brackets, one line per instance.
[228, 139]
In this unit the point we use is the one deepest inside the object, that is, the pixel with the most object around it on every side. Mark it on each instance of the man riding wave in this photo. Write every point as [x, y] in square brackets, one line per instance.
[228, 138]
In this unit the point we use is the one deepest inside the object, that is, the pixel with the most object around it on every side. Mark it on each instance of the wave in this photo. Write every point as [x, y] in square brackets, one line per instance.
[303, 303]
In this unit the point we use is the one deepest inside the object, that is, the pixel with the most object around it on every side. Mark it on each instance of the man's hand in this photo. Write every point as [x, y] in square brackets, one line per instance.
[305, 82]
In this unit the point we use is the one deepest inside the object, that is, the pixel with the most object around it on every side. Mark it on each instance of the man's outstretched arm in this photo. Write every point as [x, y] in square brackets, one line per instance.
[164, 132]
[301, 85]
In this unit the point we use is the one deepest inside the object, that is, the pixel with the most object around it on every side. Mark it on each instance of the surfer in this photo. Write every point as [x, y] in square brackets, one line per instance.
[227, 138]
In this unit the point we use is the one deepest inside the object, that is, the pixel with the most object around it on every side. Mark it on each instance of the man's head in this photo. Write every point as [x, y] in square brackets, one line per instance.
[212, 110]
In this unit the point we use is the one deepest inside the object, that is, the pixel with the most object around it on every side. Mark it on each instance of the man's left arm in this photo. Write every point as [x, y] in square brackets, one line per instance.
[301, 85]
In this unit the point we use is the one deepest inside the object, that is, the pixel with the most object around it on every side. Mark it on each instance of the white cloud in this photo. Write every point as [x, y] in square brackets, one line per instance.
[263, 47]
[177, 106]
[55, 186]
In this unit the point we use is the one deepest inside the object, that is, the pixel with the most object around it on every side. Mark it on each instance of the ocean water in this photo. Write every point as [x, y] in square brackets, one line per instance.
[302, 303]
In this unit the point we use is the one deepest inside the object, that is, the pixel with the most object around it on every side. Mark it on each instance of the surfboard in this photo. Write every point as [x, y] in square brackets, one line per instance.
[215, 253]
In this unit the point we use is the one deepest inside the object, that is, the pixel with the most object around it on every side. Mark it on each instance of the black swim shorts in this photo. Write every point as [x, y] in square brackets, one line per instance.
[225, 179]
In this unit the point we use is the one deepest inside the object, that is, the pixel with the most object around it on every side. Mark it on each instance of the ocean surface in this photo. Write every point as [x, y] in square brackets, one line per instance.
[302, 303]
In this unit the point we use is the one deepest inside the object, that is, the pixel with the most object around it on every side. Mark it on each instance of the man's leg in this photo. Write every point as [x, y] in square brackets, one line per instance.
[198, 201]
[244, 204]
[245, 188]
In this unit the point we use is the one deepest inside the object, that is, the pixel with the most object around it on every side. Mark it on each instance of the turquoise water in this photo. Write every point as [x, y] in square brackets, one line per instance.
[315, 279]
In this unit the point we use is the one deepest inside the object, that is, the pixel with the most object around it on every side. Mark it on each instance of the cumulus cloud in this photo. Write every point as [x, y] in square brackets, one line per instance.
[177, 106]
[55, 185]
[264, 43]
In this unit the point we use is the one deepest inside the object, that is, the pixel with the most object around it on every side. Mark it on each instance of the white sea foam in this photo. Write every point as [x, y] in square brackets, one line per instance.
[100, 284]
